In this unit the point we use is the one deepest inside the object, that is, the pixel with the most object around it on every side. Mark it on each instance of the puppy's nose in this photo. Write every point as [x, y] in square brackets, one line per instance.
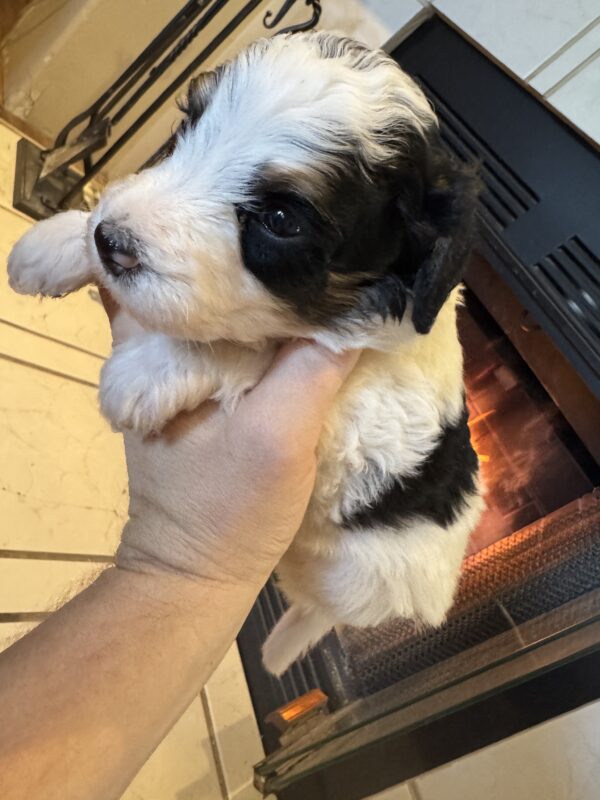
[115, 249]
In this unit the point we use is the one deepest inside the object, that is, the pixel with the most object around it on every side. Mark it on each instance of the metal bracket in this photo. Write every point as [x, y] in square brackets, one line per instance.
[92, 138]
[271, 21]
[40, 197]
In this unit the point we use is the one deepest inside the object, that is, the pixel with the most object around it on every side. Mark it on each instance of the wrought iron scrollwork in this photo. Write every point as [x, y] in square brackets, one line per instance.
[272, 20]
[44, 181]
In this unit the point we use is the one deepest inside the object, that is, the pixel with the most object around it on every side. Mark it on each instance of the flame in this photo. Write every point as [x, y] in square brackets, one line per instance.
[483, 458]
[480, 417]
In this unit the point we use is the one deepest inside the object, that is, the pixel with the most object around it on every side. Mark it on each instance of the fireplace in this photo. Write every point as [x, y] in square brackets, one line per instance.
[538, 543]
[522, 642]
[532, 463]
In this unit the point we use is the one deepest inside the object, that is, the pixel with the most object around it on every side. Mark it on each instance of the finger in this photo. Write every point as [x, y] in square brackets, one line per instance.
[122, 324]
[110, 304]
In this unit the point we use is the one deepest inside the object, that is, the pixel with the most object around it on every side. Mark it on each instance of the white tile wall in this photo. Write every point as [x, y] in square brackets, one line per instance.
[236, 737]
[373, 22]
[579, 98]
[559, 760]
[521, 34]
[37, 585]
[582, 49]
[394, 14]
[11, 632]
[182, 766]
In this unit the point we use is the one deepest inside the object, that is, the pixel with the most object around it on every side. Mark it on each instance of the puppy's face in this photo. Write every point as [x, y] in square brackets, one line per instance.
[304, 192]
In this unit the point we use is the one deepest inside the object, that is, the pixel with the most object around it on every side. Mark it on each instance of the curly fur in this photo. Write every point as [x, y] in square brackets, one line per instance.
[344, 145]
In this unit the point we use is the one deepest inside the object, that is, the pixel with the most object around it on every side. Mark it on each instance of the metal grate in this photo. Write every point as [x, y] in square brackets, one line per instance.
[519, 578]
[323, 668]
[570, 275]
[505, 197]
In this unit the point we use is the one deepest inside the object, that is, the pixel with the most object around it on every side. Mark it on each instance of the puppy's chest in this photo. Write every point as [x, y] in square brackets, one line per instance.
[382, 428]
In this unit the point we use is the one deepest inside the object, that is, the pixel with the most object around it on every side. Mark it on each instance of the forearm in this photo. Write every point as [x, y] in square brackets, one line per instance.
[214, 503]
[87, 696]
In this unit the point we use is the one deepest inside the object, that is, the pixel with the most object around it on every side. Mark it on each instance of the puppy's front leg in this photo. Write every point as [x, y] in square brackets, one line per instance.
[51, 258]
[150, 378]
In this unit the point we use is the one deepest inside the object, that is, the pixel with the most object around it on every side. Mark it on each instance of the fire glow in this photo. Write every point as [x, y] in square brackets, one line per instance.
[483, 458]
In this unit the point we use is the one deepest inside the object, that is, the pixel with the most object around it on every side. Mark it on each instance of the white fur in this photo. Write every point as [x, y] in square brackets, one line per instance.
[52, 258]
[384, 424]
[389, 415]
[150, 378]
[366, 577]
[211, 327]
[299, 629]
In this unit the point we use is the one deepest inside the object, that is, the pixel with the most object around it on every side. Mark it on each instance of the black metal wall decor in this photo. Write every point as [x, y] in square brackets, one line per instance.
[45, 182]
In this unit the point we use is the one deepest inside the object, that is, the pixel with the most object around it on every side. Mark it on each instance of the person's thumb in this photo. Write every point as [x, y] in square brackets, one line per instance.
[300, 387]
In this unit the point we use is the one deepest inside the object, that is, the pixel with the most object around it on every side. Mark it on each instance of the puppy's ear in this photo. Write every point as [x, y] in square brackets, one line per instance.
[438, 209]
[199, 94]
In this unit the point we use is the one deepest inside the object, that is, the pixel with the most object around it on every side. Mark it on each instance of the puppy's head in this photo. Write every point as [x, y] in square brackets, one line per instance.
[305, 192]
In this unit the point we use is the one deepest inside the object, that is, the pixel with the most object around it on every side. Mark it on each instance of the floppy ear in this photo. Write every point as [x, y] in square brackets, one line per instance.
[199, 94]
[440, 222]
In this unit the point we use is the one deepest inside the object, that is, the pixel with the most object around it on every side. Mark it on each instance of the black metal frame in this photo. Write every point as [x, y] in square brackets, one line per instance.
[405, 755]
[382, 742]
[41, 175]
[323, 668]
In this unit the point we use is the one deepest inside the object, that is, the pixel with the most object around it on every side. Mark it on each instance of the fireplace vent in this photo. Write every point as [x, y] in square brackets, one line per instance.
[505, 197]
[540, 205]
[571, 276]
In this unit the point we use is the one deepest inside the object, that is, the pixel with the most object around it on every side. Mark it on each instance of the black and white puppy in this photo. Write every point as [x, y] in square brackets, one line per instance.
[305, 195]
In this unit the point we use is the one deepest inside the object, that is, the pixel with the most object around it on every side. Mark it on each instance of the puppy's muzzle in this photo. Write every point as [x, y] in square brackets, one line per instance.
[117, 250]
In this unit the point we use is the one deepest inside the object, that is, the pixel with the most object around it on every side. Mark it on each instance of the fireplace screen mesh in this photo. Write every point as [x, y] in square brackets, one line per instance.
[514, 580]
[538, 544]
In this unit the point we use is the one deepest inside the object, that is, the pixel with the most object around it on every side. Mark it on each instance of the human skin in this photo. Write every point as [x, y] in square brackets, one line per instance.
[214, 503]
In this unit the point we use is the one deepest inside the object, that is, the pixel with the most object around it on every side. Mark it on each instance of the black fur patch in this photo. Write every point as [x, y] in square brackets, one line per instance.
[350, 238]
[369, 241]
[437, 493]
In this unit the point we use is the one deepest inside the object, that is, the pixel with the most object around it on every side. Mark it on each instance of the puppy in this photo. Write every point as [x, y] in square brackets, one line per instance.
[306, 194]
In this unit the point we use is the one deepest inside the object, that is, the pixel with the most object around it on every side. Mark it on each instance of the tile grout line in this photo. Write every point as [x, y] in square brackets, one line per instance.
[572, 73]
[41, 555]
[52, 339]
[562, 50]
[214, 743]
[57, 373]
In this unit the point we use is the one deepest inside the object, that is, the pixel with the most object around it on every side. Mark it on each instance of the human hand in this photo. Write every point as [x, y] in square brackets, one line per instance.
[221, 496]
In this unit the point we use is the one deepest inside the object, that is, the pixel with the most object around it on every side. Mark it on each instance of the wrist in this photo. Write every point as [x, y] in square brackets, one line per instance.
[162, 549]
[168, 597]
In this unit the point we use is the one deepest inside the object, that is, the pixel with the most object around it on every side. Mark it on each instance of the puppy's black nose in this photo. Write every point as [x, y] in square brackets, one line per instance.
[115, 249]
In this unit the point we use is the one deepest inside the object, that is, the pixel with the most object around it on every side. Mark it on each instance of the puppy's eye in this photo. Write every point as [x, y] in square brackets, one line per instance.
[281, 222]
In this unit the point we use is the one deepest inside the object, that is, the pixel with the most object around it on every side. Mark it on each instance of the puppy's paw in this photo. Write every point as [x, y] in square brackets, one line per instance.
[147, 382]
[136, 402]
[51, 258]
